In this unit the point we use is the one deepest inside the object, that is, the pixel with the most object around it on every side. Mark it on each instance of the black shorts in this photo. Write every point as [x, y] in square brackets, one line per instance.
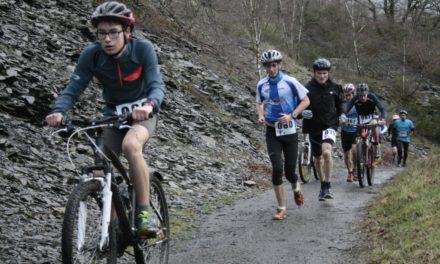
[347, 140]
[393, 142]
[316, 143]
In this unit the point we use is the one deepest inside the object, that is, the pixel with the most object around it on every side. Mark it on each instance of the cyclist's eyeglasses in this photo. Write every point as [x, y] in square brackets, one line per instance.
[112, 34]
[271, 65]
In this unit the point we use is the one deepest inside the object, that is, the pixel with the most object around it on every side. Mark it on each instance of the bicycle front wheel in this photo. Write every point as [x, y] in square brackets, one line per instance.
[371, 160]
[82, 225]
[156, 250]
[361, 160]
[304, 168]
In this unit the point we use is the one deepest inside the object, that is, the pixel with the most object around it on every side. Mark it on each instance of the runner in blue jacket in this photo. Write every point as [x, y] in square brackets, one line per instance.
[405, 129]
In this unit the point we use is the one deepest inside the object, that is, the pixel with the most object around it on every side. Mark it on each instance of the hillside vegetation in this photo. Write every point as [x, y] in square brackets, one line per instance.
[207, 141]
[403, 223]
[394, 46]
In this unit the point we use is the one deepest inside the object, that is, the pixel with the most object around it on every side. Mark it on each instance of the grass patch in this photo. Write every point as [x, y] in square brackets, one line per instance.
[404, 222]
[181, 220]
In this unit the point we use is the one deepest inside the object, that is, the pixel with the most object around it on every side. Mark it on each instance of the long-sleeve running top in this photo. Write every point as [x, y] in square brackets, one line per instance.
[133, 76]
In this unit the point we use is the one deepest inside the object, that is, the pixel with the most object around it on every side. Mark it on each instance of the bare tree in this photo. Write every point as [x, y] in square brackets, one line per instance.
[258, 16]
[302, 4]
[356, 30]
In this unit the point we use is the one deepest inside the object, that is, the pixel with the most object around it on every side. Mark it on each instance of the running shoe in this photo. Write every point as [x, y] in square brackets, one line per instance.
[280, 214]
[350, 176]
[298, 195]
[321, 194]
[147, 224]
[328, 194]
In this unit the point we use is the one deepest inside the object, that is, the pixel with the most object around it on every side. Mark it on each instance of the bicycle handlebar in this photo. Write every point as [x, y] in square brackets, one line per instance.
[361, 125]
[69, 126]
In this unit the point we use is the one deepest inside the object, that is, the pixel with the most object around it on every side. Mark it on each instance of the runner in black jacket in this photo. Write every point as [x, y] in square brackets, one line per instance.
[321, 120]
[392, 136]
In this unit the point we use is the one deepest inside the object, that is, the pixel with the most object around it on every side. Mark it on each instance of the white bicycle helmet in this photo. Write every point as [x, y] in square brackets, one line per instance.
[395, 117]
[271, 56]
[349, 88]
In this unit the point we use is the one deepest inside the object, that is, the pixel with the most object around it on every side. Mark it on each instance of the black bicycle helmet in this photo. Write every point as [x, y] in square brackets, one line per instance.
[403, 112]
[322, 64]
[362, 89]
[114, 11]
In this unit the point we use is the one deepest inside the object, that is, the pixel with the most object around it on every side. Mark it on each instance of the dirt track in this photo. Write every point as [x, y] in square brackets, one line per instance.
[318, 232]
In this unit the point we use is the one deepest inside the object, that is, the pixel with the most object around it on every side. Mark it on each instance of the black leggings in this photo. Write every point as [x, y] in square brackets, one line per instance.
[276, 146]
[400, 145]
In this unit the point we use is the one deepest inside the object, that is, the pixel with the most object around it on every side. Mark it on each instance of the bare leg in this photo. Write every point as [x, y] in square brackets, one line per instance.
[328, 161]
[132, 147]
[279, 193]
[348, 160]
[319, 167]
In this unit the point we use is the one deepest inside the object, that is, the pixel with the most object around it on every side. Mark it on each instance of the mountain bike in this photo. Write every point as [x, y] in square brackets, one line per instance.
[99, 222]
[306, 165]
[365, 154]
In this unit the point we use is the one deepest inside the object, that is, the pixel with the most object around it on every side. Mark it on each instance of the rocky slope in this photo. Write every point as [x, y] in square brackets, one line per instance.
[206, 143]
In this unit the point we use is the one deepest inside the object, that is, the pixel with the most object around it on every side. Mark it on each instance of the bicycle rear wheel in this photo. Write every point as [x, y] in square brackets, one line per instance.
[370, 164]
[82, 225]
[156, 250]
[361, 160]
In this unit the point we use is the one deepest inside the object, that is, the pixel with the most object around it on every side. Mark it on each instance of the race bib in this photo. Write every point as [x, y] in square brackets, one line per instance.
[365, 119]
[285, 129]
[403, 133]
[128, 107]
[329, 133]
[351, 121]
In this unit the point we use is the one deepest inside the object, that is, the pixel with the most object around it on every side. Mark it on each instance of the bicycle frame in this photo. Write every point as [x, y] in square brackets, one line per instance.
[101, 197]
[102, 164]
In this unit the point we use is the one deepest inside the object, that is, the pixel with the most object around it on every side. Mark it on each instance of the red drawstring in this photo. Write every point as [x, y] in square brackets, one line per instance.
[121, 82]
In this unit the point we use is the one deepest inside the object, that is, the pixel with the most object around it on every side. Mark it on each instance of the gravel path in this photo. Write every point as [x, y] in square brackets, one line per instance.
[318, 232]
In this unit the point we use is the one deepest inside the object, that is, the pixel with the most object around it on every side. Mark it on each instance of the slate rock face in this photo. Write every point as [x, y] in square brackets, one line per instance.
[206, 141]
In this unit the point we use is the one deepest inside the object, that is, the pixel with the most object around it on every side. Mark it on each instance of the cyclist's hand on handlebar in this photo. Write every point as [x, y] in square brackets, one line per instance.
[54, 120]
[307, 114]
[142, 113]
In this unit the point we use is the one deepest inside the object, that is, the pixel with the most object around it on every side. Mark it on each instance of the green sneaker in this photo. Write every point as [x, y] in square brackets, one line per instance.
[147, 224]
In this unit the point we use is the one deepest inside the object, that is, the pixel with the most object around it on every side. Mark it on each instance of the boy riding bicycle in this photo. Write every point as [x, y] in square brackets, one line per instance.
[365, 104]
[129, 73]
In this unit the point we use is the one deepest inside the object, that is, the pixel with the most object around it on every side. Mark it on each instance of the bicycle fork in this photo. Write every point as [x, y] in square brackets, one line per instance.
[106, 192]
[106, 210]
